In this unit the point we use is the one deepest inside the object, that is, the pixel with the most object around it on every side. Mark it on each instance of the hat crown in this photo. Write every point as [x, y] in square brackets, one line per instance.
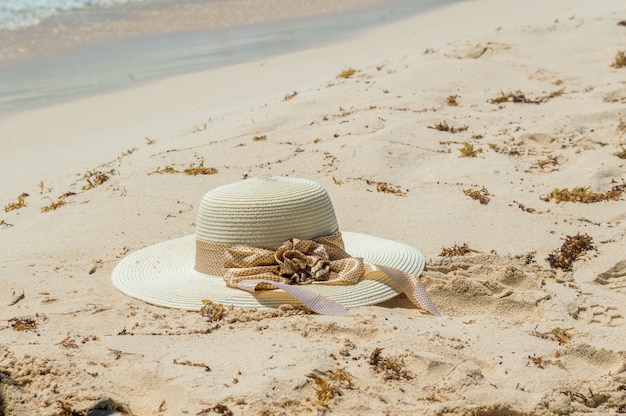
[265, 212]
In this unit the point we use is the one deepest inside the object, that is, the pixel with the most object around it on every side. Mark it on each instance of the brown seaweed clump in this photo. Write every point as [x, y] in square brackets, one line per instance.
[388, 188]
[457, 250]
[561, 335]
[480, 195]
[105, 406]
[584, 195]
[443, 126]
[346, 73]
[21, 203]
[468, 150]
[329, 385]
[192, 170]
[570, 251]
[621, 154]
[23, 324]
[95, 178]
[392, 368]
[620, 60]
[519, 97]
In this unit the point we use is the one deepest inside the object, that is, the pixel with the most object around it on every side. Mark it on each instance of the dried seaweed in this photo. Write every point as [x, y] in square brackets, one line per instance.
[291, 96]
[457, 250]
[387, 188]
[53, 205]
[329, 384]
[68, 342]
[42, 187]
[519, 97]
[525, 208]
[95, 178]
[570, 251]
[621, 154]
[167, 169]
[106, 406]
[5, 224]
[23, 324]
[529, 258]
[451, 100]
[192, 364]
[21, 203]
[200, 169]
[468, 150]
[192, 170]
[543, 362]
[561, 335]
[347, 73]
[620, 60]
[259, 138]
[550, 161]
[218, 408]
[481, 195]
[214, 311]
[584, 195]
[392, 368]
[59, 202]
[127, 153]
[443, 126]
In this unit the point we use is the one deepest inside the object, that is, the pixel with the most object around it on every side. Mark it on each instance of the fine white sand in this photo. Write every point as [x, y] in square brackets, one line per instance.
[516, 337]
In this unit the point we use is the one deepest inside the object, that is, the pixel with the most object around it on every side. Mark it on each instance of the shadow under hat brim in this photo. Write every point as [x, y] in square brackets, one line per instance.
[163, 274]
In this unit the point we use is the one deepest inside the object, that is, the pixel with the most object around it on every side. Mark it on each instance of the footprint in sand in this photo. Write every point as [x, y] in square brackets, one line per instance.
[598, 393]
[614, 278]
[538, 143]
[596, 313]
[487, 284]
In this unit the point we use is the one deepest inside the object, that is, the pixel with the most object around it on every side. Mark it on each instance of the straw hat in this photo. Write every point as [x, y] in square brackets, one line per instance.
[244, 221]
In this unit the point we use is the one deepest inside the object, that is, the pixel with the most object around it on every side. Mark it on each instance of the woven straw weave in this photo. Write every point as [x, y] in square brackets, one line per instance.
[265, 212]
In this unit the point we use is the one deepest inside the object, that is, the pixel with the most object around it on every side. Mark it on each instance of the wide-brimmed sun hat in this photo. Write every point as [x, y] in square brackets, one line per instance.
[268, 241]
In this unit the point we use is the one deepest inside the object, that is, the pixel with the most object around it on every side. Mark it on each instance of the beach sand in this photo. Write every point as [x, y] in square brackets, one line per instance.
[527, 90]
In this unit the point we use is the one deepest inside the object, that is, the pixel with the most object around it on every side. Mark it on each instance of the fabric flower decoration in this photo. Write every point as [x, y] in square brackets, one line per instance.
[303, 261]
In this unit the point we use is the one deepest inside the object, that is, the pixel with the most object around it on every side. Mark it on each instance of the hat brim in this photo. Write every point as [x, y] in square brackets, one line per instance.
[163, 274]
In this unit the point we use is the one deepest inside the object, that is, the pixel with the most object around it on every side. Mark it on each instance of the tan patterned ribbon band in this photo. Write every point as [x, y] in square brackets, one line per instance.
[298, 263]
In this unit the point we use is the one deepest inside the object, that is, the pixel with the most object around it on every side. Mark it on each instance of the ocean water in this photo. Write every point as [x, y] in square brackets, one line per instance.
[19, 14]
[93, 69]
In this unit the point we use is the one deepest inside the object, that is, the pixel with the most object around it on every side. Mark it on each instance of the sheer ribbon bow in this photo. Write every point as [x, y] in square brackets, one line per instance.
[298, 263]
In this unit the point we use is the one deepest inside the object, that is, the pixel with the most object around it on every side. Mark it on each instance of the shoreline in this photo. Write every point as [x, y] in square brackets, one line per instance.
[153, 50]
[117, 23]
